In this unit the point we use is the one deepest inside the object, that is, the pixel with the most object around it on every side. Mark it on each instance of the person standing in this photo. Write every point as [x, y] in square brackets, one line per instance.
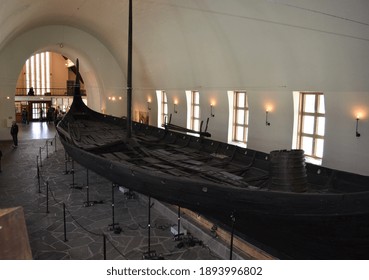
[31, 91]
[14, 133]
[24, 116]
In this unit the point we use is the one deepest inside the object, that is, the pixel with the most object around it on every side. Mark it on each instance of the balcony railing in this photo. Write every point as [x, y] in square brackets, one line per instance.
[48, 92]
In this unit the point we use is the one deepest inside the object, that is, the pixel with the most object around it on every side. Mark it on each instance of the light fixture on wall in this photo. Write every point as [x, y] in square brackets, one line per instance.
[212, 109]
[113, 98]
[357, 126]
[267, 123]
[175, 106]
[149, 104]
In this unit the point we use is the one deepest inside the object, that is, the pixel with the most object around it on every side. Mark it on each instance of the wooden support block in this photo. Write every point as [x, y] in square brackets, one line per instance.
[14, 243]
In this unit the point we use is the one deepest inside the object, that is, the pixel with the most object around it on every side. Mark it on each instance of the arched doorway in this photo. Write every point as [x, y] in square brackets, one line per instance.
[45, 87]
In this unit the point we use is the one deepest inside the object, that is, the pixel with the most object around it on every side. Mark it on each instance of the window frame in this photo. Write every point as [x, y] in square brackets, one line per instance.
[195, 95]
[37, 73]
[164, 107]
[235, 124]
[315, 114]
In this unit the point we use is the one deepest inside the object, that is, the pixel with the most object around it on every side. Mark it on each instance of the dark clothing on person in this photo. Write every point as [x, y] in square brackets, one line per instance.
[50, 114]
[24, 116]
[41, 114]
[1, 154]
[14, 133]
[31, 92]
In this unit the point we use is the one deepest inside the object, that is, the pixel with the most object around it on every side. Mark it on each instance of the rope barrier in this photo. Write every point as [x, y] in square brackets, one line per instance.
[66, 210]
[106, 238]
[46, 147]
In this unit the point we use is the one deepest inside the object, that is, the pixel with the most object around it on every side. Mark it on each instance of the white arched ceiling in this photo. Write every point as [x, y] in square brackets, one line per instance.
[215, 43]
[254, 43]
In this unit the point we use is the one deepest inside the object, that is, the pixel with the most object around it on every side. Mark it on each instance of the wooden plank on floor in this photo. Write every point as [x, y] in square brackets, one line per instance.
[14, 243]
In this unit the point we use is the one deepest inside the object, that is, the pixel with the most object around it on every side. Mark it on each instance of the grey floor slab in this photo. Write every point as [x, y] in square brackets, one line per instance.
[22, 185]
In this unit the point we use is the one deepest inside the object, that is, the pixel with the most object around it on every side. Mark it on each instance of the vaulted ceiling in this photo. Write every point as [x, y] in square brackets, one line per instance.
[202, 34]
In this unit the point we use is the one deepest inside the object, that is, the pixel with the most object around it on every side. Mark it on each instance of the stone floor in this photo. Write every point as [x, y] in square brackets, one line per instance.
[86, 227]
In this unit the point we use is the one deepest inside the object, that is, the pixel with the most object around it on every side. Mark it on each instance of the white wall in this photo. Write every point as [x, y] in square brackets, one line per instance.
[267, 48]
[58, 71]
[343, 149]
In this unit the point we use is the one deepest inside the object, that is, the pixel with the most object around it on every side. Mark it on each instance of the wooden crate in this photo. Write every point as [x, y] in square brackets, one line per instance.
[14, 243]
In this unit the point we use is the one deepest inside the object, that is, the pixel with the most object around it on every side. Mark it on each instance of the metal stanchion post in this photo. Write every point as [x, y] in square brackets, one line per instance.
[150, 254]
[40, 158]
[233, 218]
[179, 221]
[38, 177]
[104, 242]
[47, 149]
[72, 171]
[74, 185]
[65, 224]
[47, 197]
[66, 164]
[88, 202]
[116, 230]
[112, 207]
[149, 228]
[178, 237]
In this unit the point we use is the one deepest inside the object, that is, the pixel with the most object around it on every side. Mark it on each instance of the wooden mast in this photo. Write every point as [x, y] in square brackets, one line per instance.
[129, 74]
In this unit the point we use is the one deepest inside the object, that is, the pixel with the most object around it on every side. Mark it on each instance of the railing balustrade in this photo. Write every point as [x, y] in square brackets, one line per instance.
[48, 91]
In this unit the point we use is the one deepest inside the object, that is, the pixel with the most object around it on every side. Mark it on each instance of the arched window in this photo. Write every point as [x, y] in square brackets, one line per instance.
[38, 73]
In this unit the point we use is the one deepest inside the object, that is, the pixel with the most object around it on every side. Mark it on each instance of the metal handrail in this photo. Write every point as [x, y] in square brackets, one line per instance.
[48, 91]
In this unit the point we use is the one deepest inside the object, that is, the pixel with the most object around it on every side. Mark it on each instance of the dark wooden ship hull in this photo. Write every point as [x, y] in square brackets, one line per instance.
[321, 214]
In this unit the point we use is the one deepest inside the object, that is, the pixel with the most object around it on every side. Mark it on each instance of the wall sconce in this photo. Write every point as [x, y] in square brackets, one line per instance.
[357, 126]
[149, 104]
[267, 123]
[211, 110]
[175, 107]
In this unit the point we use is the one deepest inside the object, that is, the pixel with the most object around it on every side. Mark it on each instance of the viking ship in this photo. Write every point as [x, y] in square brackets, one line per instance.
[275, 200]
[275, 196]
